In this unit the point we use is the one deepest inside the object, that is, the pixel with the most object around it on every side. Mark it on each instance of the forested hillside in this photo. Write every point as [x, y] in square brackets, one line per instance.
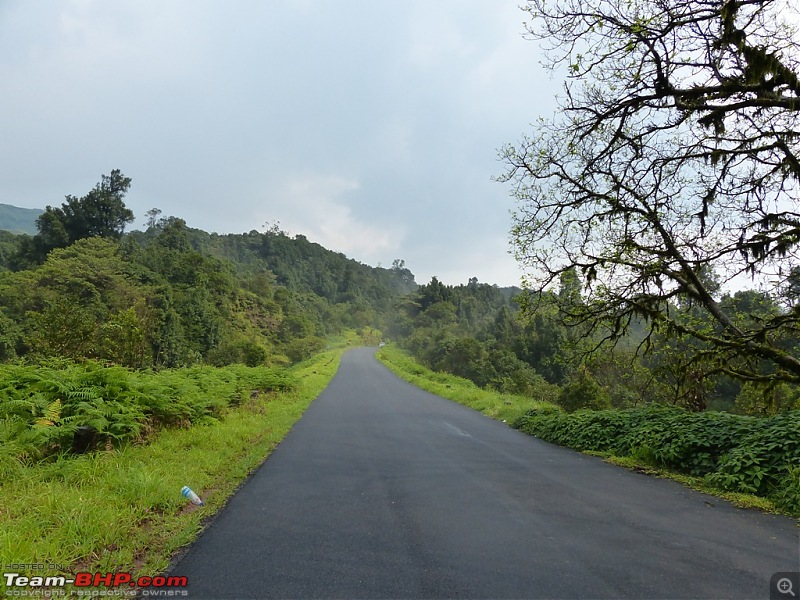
[18, 220]
[97, 318]
[175, 296]
[520, 342]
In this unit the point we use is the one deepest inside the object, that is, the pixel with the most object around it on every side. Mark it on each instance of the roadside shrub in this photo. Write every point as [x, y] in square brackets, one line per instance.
[583, 391]
[246, 352]
[685, 441]
[765, 457]
[304, 348]
[582, 430]
[735, 453]
[43, 408]
[788, 491]
[513, 376]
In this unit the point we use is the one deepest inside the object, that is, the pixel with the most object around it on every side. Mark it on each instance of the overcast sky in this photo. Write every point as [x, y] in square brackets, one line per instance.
[370, 126]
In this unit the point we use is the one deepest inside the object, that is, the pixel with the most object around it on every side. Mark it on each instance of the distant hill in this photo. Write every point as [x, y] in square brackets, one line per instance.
[19, 220]
[300, 265]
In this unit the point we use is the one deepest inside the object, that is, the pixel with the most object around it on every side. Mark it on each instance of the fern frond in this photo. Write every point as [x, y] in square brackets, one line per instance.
[52, 415]
[84, 394]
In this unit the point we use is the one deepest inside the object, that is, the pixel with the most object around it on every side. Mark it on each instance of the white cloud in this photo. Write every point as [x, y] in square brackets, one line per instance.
[314, 205]
[486, 258]
[369, 127]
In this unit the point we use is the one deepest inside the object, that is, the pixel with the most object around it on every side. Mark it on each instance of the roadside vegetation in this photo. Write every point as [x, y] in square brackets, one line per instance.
[514, 341]
[119, 506]
[753, 462]
[647, 205]
[132, 364]
[715, 451]
[504, 407]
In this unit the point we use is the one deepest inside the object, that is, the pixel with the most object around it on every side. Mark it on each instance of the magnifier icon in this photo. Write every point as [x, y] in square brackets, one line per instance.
[784, 586]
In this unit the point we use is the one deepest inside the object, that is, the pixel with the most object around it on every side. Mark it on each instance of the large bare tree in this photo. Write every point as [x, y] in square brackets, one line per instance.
[675, 156]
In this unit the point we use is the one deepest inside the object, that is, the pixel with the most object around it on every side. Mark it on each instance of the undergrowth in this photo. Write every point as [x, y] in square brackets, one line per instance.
[732, 453]
[752, 461]
[119, 507]
[48, 410]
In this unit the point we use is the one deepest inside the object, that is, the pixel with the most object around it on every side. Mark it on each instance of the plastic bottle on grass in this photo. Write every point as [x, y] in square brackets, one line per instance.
[190, 495]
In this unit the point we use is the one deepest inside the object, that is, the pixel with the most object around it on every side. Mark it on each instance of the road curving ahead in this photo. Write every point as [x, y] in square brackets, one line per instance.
[383, 490]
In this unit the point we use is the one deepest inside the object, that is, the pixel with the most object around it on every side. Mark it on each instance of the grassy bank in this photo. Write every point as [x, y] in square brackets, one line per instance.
[504, 407]
[121, 510]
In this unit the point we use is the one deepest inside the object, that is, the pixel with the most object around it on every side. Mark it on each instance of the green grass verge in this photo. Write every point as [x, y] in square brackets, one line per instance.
[121, 510]
[503, 407]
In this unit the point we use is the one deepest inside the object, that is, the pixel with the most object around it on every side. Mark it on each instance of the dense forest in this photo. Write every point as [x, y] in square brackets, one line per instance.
[519, 342]
[171, 296]
[174, 296]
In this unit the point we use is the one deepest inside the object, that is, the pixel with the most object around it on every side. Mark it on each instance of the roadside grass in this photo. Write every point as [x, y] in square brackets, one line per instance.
[510, 409]
[503, 407]
[121, 510]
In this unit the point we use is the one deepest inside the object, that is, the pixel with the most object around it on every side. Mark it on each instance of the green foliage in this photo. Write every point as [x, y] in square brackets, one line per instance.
[513, 376]
[102, 511]
[472, 331]
[735, 453]
[10, 245]
[502, 406]
[81, 303]
[764, 401]
[627, 379]
[302, 266]
[124, 338]
[583, 391]
[174, 296]
[10, 337]
[762, 461]
[42, 408]
[304, 348]
[157, 301]
[100, 213]
[244, 351]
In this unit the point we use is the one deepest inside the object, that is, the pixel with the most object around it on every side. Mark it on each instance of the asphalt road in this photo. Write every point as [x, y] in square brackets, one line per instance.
[382, 490]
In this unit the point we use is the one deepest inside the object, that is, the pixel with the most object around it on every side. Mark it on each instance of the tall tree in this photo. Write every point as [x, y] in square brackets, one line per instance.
[100, 213]
[676, 149]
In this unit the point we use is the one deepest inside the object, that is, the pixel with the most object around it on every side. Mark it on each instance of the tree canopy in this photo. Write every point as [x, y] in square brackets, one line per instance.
[100, 213]
[671, 169]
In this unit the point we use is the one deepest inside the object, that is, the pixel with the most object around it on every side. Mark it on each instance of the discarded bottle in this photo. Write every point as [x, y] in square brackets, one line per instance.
[189, 494]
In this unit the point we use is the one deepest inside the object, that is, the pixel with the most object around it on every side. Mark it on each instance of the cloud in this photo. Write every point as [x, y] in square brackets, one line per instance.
[314, 205]
[369, 127]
